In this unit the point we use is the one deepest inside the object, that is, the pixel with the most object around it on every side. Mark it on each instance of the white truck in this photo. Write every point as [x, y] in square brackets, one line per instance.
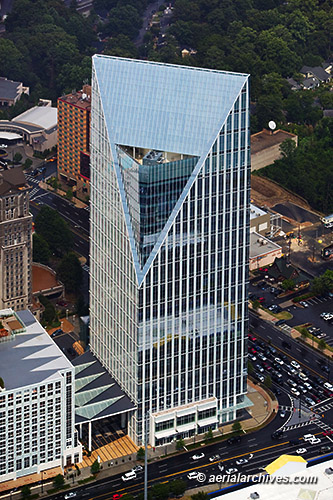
[327, 221]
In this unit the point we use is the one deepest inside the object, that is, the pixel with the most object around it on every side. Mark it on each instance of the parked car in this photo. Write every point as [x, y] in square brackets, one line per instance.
[57, 332]
[295, 364]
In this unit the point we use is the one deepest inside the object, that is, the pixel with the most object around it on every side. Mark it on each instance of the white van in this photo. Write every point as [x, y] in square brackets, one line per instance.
[129, 476]
[309, 437]
[328, 386]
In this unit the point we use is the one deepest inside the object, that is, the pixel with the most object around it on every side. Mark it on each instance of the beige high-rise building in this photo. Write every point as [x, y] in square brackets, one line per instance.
[15, 240]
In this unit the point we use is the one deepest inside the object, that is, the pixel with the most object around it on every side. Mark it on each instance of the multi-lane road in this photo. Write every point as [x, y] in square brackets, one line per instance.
[77, 218]
[257, 448]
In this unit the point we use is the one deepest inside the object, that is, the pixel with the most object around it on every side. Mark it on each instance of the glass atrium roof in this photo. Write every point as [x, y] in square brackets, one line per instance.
[162, 106]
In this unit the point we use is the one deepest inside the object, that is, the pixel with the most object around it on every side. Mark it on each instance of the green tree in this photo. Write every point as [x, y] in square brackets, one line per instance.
[95, 468]
[268, 382]
[209, 435]
[177, 487]
[49, 314]
[70, 272]
[40, 249]
[81, 307]
[140, 454]
[2, 384]
[52, 227]
[17, 158]
[180, 444]
[59, 481]
[160, 491]
[69, 194]
[201, 495]
[123, 19]
[25, 492]
[288, 284]
[236, 426]
[27, 163]
[256, 304]
[321, 344]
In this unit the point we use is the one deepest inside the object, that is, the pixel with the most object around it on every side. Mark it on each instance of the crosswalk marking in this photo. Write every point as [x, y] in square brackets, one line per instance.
[32, 179]
[297, 426]
[33, 192]
[87, 208]
[85, 268]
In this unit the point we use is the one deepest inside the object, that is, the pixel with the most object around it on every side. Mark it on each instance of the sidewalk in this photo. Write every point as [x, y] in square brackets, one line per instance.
[263, 410]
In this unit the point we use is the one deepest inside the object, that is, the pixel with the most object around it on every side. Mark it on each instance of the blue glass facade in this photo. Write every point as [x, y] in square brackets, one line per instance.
[181, 203]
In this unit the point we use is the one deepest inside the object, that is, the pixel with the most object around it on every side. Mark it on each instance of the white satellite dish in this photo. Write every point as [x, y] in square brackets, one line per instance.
[272, 125]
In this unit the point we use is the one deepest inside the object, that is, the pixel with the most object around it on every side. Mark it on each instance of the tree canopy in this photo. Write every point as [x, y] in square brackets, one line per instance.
[70, 272]
[307, 169]
[54, 230]
[43, 41]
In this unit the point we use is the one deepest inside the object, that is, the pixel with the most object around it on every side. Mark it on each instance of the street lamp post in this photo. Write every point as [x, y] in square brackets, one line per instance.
[146, 457]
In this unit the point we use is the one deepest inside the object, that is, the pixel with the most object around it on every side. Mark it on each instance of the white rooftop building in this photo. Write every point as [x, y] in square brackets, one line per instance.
[37, 401]
[36, 126]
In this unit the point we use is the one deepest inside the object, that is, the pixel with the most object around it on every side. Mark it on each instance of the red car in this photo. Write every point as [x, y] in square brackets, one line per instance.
[253, 350]
[328, 433]
[252, 337]
[261, 300]
[116, 496]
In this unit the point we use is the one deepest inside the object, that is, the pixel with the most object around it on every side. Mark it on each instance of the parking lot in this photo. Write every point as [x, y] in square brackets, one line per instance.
[310, 313]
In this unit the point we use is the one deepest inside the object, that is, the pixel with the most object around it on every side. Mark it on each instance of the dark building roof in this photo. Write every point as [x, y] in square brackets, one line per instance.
[97, 394]
[12, 180]
[8, 88]
[282, 270]
[317, 71]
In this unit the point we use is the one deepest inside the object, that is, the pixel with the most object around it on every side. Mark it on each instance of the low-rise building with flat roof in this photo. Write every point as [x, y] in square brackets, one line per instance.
[37, 126]
[265, 147]
[259, 220]
[263, 252]
[37, 415]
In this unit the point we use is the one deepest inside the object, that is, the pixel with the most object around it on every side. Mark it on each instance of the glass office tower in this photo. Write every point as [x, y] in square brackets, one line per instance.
[170, 195]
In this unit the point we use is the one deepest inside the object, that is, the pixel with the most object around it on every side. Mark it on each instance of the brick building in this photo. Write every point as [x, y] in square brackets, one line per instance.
[73, 140]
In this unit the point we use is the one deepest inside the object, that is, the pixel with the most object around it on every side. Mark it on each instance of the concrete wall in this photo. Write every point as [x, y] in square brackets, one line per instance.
[265, 260]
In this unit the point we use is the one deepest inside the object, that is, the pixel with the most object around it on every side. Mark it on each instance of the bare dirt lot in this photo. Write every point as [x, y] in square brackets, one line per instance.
[266, 192]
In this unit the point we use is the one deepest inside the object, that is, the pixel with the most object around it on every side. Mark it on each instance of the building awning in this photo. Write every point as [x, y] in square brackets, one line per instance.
[186, 427]
[207, 421]
[9, 136]
[97, 394]
[165, 433]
